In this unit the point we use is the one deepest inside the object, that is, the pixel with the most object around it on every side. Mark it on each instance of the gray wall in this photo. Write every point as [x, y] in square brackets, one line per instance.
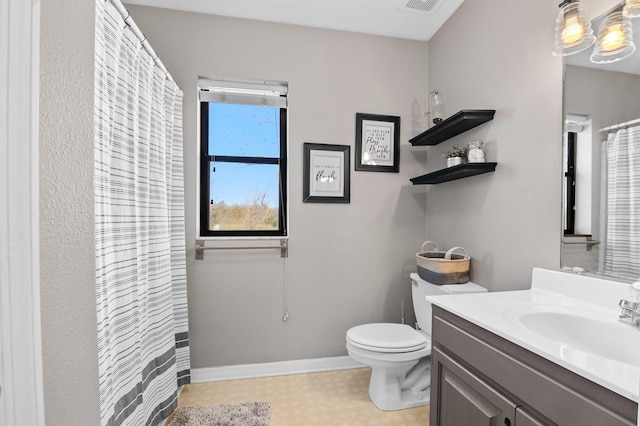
[348, 264]
[496, 54]
[68, 298]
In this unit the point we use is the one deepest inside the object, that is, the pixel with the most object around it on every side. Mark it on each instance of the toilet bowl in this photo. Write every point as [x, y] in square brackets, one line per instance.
[394, 352]
[398, 354]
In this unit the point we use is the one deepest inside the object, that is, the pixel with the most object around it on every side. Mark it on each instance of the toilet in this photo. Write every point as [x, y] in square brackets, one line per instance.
[398, 354]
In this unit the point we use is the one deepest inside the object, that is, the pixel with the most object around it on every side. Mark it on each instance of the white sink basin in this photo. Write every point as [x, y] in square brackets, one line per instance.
[580, 331]
[568, 319]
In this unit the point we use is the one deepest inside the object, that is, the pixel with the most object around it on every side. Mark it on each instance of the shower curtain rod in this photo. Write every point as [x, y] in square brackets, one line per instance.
[621, 125]
[126, 16]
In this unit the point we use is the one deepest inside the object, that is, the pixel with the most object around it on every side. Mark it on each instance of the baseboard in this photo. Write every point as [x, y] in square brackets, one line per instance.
[282, 368]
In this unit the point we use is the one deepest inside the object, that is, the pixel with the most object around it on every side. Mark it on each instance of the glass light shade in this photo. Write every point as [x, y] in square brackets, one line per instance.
[437, 107]
[573, 30]
[631, 9]
[615, 39]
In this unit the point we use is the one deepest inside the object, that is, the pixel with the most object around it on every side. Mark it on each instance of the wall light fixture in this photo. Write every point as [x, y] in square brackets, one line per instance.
[615, 39]
[574, 34]
[573, 29]
[631, 9]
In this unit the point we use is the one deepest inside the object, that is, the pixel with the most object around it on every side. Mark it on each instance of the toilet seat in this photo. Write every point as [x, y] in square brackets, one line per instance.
[386, 338]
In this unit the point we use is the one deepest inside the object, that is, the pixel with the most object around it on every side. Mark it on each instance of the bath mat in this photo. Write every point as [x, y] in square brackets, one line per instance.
[243, 414]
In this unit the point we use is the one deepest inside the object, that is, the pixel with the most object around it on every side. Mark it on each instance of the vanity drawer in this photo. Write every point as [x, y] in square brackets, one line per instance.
[532, 382]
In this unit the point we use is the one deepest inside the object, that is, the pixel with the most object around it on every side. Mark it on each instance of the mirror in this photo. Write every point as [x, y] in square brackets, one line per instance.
[601, 161]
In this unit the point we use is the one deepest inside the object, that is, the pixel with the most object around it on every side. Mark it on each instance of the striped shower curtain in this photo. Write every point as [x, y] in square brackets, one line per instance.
[622, 240]
[143, 345]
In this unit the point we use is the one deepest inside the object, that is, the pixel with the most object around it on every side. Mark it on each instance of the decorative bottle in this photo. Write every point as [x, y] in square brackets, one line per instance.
[437, 107]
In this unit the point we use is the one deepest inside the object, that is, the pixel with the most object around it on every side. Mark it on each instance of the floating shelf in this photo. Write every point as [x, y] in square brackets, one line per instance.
[455, 172]
[458, 123]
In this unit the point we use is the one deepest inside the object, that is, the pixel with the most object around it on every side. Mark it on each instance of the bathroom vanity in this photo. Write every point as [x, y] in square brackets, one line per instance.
[552, 355]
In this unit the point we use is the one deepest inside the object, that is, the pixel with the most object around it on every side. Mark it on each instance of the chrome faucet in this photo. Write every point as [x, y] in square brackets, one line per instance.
[631, 310]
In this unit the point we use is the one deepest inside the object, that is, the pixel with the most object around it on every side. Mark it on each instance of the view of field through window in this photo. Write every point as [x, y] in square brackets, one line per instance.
[244, 194]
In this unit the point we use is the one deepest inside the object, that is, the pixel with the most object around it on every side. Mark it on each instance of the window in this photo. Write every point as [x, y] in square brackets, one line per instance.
[243, 159]
[579, 184]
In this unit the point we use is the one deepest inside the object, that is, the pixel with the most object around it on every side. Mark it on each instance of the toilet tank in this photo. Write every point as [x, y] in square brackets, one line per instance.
[421, 288]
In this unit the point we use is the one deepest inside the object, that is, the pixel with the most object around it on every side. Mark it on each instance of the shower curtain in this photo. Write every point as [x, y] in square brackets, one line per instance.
[143, 345]
[622, 240]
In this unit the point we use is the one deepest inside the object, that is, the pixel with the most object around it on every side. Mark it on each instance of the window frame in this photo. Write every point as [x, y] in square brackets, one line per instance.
[205, 160]
[570, 182]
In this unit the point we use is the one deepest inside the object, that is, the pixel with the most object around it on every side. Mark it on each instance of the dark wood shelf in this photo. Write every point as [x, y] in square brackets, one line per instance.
[455, 172]
[456, 124]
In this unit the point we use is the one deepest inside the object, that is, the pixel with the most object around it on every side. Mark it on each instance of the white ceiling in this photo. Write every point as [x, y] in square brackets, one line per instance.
[391, 18]
[379, 17]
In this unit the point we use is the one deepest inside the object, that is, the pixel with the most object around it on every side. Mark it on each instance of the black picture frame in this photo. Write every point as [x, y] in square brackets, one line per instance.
[326, 173]
[377, 143]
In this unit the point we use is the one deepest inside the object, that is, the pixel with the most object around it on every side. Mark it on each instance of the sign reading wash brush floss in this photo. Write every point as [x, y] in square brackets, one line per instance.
[377, 143]
[377, 140]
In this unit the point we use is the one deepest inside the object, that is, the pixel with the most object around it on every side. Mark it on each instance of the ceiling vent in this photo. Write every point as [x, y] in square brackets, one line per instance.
[424, 6]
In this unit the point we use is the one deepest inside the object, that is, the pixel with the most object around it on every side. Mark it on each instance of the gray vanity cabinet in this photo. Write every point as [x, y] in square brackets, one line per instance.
[479, 378]
[465, 399]
[523, 418]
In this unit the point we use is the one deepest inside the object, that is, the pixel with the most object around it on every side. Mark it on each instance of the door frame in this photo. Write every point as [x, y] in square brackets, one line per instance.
[22, 390]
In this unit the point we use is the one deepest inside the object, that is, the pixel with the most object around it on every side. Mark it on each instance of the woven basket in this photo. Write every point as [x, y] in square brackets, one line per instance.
[441, 268]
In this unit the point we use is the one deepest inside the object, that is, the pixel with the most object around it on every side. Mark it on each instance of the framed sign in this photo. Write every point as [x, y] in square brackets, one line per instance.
[377, 143]
[326, 173]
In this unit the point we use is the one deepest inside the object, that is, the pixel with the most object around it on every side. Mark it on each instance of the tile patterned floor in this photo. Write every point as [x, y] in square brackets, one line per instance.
[329, 398]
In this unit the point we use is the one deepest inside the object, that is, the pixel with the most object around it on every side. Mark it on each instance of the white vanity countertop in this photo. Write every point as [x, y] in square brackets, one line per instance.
[604, 350]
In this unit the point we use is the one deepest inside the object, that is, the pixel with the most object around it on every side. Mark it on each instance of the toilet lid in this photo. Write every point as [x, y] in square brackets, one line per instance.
[386, 337]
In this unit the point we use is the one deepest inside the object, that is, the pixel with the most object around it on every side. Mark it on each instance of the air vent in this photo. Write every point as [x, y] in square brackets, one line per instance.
[424, 6]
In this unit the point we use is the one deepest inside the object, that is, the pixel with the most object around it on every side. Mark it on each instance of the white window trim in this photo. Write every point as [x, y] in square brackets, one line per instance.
[278, 87]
